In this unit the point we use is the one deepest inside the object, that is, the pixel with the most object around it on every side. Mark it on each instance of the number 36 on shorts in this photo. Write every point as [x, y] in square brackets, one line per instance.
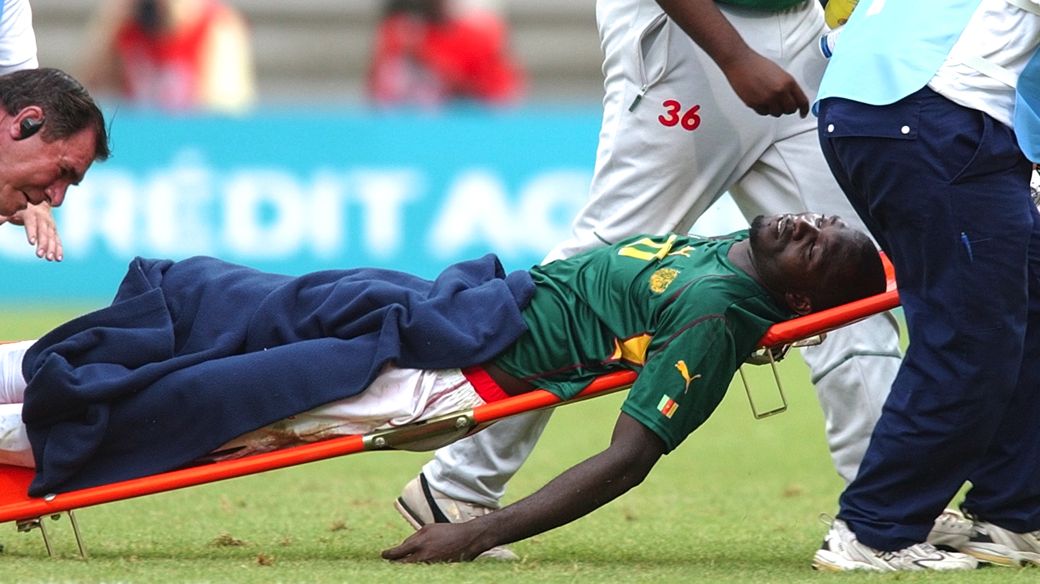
[675, 115]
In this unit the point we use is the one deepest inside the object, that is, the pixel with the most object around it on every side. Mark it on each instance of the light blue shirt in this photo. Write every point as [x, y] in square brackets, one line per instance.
[892, 48]
[1027, 109]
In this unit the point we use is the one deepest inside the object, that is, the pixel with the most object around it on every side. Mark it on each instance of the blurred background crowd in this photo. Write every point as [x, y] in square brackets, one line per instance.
[229, 55]
[299, 135]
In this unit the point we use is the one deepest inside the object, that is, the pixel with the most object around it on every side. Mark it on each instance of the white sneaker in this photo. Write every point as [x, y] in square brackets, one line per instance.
[841, 551]
[420, 504]
[951, 530]
[996, 545]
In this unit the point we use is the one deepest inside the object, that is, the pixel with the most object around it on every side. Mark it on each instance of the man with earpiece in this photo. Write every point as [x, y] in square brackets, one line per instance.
[17, 52]
[51, 131]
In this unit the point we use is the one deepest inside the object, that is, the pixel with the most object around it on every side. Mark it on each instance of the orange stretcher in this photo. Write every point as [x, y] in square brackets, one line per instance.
[28, 512]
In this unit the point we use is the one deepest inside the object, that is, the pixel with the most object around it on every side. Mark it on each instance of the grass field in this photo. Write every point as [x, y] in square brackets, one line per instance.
[738, 502]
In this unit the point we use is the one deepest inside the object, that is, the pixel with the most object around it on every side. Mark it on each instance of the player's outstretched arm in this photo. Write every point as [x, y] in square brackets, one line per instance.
[760, 83]
[633, 451]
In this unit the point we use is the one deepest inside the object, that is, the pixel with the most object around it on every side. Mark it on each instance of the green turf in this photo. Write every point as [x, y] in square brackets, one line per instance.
[29, 322]
[738, 502]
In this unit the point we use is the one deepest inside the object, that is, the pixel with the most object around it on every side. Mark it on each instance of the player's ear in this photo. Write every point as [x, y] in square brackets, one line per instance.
[798, 302]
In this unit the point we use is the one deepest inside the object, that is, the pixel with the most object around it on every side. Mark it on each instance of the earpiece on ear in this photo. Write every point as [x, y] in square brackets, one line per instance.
[30, 126]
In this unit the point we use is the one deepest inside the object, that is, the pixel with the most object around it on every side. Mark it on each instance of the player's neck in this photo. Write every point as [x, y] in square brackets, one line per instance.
[740, 255]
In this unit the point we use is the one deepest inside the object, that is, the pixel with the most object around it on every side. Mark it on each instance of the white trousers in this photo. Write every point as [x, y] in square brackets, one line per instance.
[674, 138]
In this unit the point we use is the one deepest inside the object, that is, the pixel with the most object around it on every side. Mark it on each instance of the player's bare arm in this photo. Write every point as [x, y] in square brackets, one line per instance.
[760, 83]
[633, 451]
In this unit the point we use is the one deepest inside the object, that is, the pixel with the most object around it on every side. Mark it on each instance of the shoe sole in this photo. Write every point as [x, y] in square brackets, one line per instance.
[501, 555]
[411, 517]
[822, 564]
[1020, 561]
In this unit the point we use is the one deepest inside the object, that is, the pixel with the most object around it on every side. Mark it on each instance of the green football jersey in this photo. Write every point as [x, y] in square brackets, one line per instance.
[672, 308]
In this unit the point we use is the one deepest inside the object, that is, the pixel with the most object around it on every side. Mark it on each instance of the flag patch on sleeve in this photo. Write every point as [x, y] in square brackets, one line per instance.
[667, 406]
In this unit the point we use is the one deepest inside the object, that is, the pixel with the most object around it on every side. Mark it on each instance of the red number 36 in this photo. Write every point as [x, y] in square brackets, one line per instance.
[689, 120]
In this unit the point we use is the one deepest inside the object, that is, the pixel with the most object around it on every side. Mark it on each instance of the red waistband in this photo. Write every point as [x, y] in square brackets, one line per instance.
[487, 389]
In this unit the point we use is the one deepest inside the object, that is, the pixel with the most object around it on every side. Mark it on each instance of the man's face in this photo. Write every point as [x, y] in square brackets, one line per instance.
[798, 252]
[34, 171]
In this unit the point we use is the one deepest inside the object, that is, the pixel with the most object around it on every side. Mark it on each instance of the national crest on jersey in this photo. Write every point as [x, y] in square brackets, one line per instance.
[662, 279]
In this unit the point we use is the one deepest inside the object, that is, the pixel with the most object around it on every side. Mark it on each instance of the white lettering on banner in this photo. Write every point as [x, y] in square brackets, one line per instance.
[191, 207]
[326, 217]
[548, 204]
[179, 207]
[383, 195]
[264, 214]
[104, 215]
[476, 210]
[267, 213]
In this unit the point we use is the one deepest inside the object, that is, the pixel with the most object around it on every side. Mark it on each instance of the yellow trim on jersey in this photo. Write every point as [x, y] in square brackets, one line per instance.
[632, 350]
[662, 248]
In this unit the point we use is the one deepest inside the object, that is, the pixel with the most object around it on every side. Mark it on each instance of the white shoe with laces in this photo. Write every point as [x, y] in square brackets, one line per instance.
[420, 504]
[996, 545]
[841, 551]
[951, 530]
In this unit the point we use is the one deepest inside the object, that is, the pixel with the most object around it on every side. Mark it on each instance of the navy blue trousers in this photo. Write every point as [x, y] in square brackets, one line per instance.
[945, 191]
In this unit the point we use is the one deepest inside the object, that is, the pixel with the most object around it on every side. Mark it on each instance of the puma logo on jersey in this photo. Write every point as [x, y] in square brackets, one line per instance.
[681, 366]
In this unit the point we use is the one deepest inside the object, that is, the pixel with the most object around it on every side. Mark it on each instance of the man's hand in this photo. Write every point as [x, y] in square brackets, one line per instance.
[40, 230]
[760, 83]
[765, 87]
[439, 542]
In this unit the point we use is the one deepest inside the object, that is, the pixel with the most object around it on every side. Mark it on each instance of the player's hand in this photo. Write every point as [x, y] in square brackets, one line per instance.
[439, 542]
[40, 230]
[765, 87]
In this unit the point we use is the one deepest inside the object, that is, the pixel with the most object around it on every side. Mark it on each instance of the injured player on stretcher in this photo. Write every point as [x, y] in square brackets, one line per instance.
[205, 360]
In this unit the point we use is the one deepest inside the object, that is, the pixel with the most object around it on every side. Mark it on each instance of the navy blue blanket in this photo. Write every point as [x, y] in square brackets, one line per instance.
[194, 353]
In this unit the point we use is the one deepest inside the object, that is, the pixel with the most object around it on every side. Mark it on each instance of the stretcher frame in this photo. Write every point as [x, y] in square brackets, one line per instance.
[29, 512]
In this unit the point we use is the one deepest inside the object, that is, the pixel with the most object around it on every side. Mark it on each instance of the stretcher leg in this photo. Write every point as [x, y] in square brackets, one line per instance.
[27, 525]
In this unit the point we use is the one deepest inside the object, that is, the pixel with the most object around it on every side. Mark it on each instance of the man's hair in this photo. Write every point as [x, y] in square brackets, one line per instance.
[857, 274]
[67, 107]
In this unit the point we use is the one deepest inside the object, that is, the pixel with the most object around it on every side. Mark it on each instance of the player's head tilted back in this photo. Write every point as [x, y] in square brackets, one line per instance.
[812, 262]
